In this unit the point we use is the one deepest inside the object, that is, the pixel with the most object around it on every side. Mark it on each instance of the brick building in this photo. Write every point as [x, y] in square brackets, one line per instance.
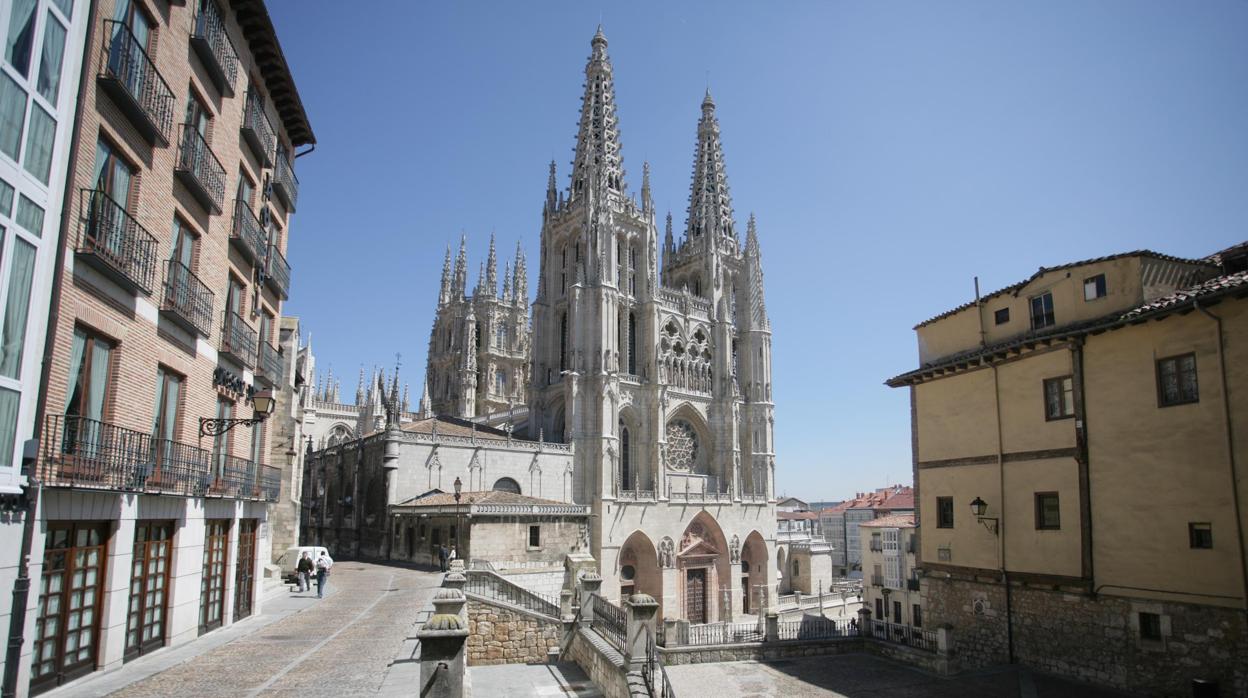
[150, 528]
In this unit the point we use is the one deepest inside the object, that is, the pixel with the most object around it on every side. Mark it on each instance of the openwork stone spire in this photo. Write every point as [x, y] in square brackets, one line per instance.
[710, 205]
[598, 161]
[460, 286]
[754, 271]
[444, 295]
[520, 289]
[491, 270]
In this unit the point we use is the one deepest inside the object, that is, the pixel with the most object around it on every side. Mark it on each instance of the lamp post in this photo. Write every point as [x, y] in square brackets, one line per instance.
[979, 507]
[459, 486]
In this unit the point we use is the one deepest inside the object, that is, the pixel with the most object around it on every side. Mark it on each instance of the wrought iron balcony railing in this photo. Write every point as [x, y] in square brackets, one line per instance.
[269, 365]
[877, 580]
[238, 340]
[200, 170]
[114, 243]
[130, 77]
[84, 453]
[277, 272]
[187, 300]
[285, 183]
[257, 129]
[212, 42]
[248, 234]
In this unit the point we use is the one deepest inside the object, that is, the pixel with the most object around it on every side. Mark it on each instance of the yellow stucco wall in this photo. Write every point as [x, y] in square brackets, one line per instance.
[957, 417]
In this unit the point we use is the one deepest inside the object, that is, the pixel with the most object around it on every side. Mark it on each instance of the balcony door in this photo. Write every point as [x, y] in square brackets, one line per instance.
[108, 226]
[221, 442]
[178, 293]
[149, 588]
[245, 569]
[165, 421]
[90, 362]
[124, 59]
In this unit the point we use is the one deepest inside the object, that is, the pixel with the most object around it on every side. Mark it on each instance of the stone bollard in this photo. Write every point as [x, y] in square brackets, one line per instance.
[671, 632]
[772, 633]
[591, 583]
[864, 622]
[457, 565]
[640, 611]
[442, 642]
[565, 604]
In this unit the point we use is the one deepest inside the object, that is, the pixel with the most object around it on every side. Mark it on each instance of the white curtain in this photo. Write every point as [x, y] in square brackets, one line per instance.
[75, 367]
[9, 403]
[17, 308]
[100, 354]
[50, 62]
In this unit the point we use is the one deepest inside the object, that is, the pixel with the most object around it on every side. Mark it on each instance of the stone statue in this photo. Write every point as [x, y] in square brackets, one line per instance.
[734, 549]
[667, 553]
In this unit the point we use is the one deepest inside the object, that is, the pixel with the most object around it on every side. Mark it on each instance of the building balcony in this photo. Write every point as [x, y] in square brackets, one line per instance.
[211, 41]
[257, 130]
[248, 234]
[187, 301]
[200, 170]
[285, 183]
[912, 584]
[269, 365]
[81, 453]
[277, 273]
[876, 546]
[877, 580]
[113, 242]
[238, 340]
[130, 77]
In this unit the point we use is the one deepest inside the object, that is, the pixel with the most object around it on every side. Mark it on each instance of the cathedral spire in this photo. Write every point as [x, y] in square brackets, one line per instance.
[406, 405]
[426, 404]
[598, 158]
[444, 294]
[491, 270]
[647, 204]
[710, 205]
[754, 276]
[479, 291]
[520, 290]
[461, 270]
[506, 282]
[359, 387]
[552, 195]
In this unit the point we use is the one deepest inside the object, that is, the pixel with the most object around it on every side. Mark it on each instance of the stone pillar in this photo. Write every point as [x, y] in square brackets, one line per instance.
[772, 633]
[734, 591]
[671, 592]
[640, 611]
[442, 642]
[671, 632]
[864, 621]
[591, 583]
[454, 580]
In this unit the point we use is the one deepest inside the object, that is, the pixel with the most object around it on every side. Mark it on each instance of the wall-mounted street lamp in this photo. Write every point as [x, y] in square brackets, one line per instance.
[263, 404]
[979, 507]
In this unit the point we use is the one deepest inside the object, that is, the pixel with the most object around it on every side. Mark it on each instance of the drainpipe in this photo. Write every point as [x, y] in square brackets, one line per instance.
[1230, 447]
[996, 399]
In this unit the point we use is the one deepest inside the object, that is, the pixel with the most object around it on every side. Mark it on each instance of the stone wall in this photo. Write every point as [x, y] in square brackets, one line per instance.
[760, 651]
[546, 582]
[506, 539]
[501, 635]
[1095, 638]
[601, 662]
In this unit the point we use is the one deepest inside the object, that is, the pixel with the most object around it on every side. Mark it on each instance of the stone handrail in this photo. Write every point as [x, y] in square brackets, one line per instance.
[492, 586]
[420, 437]
[543, 509]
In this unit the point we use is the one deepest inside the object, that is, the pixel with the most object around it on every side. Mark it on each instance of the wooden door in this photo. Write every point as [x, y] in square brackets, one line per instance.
[245, 570]
[149, 588]
[67, 624]
[695, 595]
[212, 583]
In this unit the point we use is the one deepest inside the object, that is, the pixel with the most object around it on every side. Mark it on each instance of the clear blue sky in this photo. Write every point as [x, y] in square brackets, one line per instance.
[891, 151]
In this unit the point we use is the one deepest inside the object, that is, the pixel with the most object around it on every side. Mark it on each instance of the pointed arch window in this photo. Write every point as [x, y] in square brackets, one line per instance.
[626, 460]
[563, 342]
[632, 343]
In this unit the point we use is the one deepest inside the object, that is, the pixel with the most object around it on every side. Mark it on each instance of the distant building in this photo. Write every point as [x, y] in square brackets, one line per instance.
[839, 524]
[890, 588]
[1080, 444]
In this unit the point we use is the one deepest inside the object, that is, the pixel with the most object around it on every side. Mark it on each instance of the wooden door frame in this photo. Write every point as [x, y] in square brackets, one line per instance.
[130, 652]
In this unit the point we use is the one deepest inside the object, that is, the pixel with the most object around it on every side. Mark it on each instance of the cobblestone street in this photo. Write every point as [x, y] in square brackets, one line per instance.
[343, 644]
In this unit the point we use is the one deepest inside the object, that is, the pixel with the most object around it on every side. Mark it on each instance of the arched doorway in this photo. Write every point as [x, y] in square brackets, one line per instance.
[703, 572]
[753, 574]
[639, 571]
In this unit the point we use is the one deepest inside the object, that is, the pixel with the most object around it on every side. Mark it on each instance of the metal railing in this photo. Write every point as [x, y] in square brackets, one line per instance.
[85, 453]
[277, 272]
[269, 364]
[876, 546]
[285, 183]
[212, 43]
[187, 298]
[257, 129]
[200, 169]
[877, 580]
[131, 78]
[238, 339]
[902, 634]
[653, 672]
[608, 620]
[812, 628]
[114, 242]
[491, 586]
[248, 234]
[912, 584]
[724, 634]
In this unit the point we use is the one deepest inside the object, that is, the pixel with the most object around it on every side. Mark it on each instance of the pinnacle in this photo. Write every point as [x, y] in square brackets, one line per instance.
[708, 102]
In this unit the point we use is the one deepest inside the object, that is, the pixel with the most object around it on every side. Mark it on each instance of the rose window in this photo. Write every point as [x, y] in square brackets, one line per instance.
[682, 445]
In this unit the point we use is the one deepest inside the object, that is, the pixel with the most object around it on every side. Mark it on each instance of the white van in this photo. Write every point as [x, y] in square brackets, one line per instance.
[290, 559]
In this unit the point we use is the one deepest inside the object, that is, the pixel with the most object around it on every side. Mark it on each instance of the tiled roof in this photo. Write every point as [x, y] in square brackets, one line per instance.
[443, 499]
[894, 521]
[900, 500]
[1221, 284]
[451, 426]
[1044, 270]
[892, 497]
[796, 515]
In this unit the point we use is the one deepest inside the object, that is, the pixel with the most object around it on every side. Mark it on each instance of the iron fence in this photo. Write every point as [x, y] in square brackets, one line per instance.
[902, 634]
[811, 628]
[724, 634]
[653, 672]
[129, 74]
[608, 620]
[200, 169]
[214, 46]
[188, 298]
[114, 242]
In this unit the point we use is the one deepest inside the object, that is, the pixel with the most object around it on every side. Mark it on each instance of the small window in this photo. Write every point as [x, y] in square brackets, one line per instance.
[1150, 626]
[1042, 311]
[1094, 287]
[797, 568]
[535, 537]
[916, 615]
[879, 609]
[1200, 535]
[1176, 380]
[1048, 512]
[1001, 316]
[944, 512]
[1059, 398]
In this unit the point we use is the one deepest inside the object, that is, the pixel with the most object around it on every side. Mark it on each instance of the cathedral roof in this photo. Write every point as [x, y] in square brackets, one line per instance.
[452, 426]
[441, 499]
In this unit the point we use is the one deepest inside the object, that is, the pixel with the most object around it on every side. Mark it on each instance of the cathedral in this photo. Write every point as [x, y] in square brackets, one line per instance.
[639, 388]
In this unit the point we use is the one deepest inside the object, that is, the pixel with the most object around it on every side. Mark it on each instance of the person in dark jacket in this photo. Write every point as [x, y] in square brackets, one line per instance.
[304, 571]
[442, 557]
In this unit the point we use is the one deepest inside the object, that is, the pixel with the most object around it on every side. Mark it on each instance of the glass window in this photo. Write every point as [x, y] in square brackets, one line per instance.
[944, 512]
[1001, 316]
[10, 401]
[30, 216]
[168, 387]
[1150, 626]
[66, 7]
[1059, 398]
[245, 189]
[1176, 380]
[1094, 287]
[12, 115]
[1042, 311]
[1048, 511]
[21, 40]
[257, 441]
[39, 143]
[112, 174]
[90, 356]
[50, 63]
[1199, 535]
[17, 308]
[6, 198]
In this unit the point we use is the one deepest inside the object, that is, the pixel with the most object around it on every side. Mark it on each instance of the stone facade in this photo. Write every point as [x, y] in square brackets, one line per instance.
[500, 635]
[506, 540]
[1094, 639]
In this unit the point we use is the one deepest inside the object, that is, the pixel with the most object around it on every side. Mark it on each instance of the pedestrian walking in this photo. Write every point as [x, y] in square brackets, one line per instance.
[303, 572]
[323, 564]
[442, 555]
